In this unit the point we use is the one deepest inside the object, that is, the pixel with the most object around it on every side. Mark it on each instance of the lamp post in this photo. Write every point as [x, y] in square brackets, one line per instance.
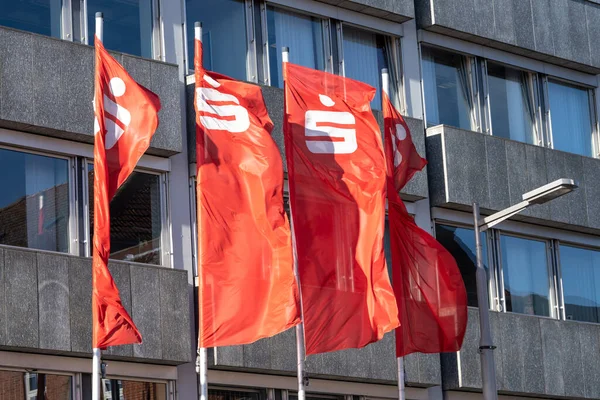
[540, 195]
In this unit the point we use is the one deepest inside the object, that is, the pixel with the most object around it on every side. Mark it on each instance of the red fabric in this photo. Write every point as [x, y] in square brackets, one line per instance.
[126, 118]
[336, 170]
[431, 296]
[247, 286]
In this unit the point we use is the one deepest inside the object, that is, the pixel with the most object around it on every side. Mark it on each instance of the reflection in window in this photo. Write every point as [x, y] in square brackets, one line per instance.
[223, 35]
[511, 103]
[447, 90]
[581, 283]
[460, 242]
[302, 34]
[365, 55]
[127, 25]
[34, 201]
[37, 16]
[571, 119]
[135, 218]
[222, 394]
[526, 275]
[33, 386]
[116, 389]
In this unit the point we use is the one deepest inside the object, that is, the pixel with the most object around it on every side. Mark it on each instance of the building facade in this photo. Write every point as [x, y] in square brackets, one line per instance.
[501, 97]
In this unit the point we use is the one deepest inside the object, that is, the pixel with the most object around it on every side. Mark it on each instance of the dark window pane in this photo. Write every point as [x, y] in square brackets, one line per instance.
[302, 34]
[116, 389]
[37, 16]
[23, 385]
[460, 242]
[365, 56]
[446, 88]
[526, 278]
[581, 283]
[221, 394]
[34, 201]
[571, 119]
[127, 25]
[511, 103]
[135, 218]
[224, 35]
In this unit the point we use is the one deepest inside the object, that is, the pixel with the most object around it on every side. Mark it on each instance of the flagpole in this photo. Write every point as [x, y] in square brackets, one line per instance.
[300, 344]
[96, 352]
[202, 365]
[385, 86]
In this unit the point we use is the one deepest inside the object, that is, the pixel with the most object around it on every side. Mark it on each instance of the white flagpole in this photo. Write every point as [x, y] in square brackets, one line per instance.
[300, 345]
[96, 352]
[202, 366]
[385, 85]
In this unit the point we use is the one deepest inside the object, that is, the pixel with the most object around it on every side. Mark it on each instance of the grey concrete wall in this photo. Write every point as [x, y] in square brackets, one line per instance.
[468, 166]
[45, 306]
[47, 88]
[374, 363]
[565, 32]
[394, 10]
[416, 189]
[535, 356]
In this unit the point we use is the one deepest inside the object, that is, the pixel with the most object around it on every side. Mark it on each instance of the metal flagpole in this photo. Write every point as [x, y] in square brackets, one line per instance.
[300, 345]
[96, 352]
[202, 366]
[385, 85]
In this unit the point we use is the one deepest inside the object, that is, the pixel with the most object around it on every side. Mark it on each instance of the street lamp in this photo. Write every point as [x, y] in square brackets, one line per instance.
[540, 195]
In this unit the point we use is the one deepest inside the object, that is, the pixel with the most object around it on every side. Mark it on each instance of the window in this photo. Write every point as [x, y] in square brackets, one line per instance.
[135, 218]
[571, 118]
[116, 389]
[223, 35]
[128, 25]
[301, 33]
[365, 55]
[512, 106]
[34, 201]
[33, 386]
[42, 16]
[580, 270]
[224, 394]
[460, 242]
[526, 275]
[447, 89]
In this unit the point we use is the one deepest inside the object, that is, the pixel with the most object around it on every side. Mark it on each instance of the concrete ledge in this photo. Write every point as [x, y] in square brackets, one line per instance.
[393, 10]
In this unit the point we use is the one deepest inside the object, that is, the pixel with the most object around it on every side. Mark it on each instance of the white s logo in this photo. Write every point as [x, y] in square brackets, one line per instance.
[239, 123]
[316, 125]
[400, 134]
[113, 130]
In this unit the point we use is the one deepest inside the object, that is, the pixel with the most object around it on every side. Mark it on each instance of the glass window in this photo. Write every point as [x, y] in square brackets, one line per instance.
[302, 34]
[37, 16]
[460, 242]
[33, 386]
[127, 25]
[34, 201]
[511, 103]
[447, 90]
[581, 283]
[116, 389]
[571, 118]
[365, 55]
[526, 275]
[222, 394]
[135, 218]
[223, 35]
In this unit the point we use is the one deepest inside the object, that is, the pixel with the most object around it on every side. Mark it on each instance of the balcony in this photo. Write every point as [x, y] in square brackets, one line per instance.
[48, 307]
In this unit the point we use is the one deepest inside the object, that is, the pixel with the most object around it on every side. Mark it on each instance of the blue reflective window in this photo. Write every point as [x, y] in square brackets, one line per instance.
[302, 34]
[571, 118]
[224, 35]
[581, 283]
[365, 55]
[127, 25]
[37, 16]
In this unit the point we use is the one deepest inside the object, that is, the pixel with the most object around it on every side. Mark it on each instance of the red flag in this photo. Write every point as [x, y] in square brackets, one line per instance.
[247, 286]
[126, 118]
[431, 296]
[336, 170]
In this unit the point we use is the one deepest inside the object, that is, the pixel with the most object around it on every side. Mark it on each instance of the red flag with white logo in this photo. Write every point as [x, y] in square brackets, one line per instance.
[337, 175]
[247, 288]
[126, 118]
[431, 296]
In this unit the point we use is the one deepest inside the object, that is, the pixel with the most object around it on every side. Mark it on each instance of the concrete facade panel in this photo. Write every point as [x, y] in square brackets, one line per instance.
[80, 302]
[145, 311]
